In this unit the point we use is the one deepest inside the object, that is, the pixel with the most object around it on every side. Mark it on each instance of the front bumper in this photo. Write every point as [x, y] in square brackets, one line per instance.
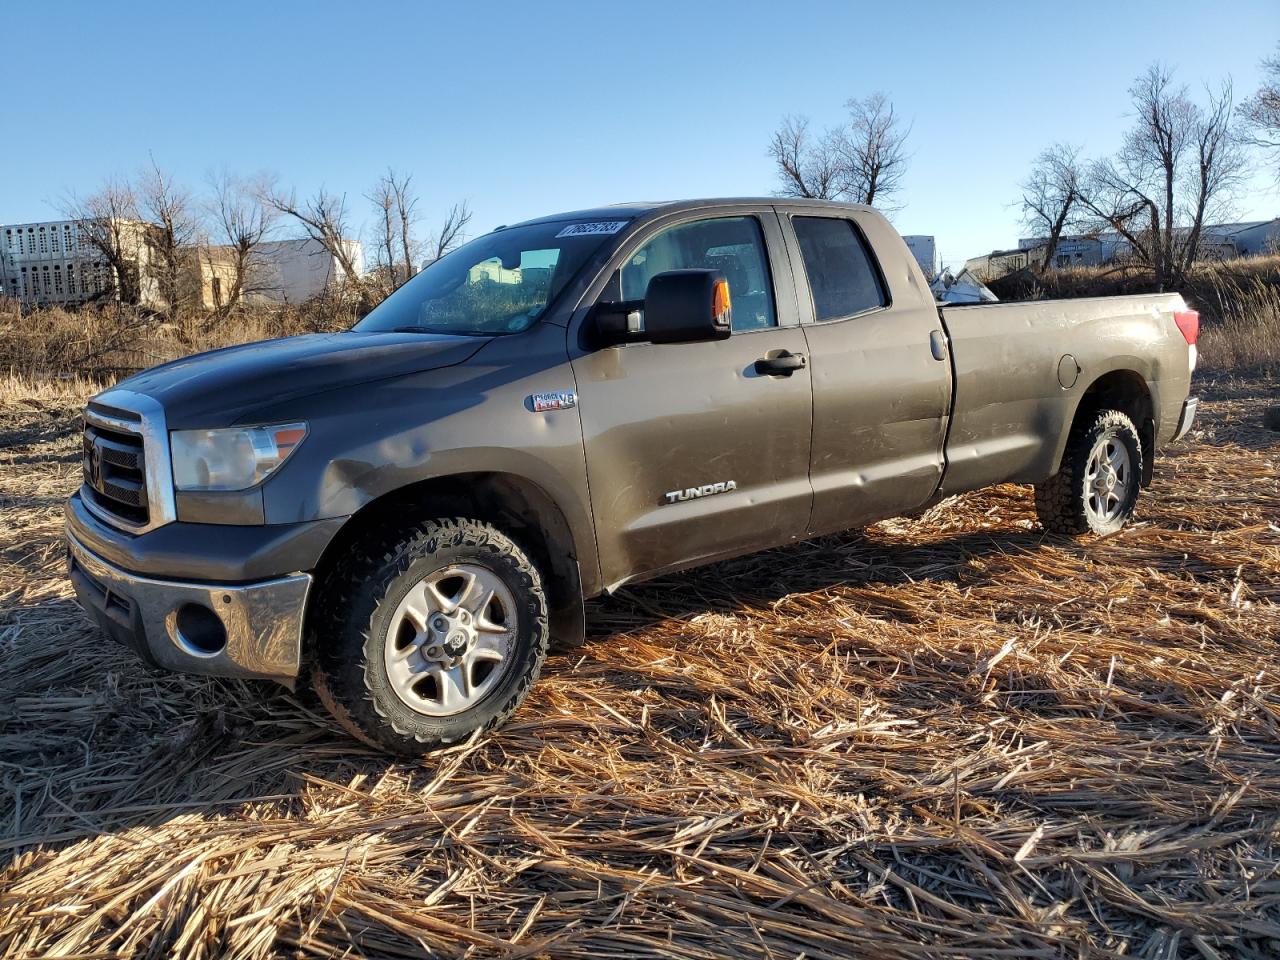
[1187, 418]
[216, 629]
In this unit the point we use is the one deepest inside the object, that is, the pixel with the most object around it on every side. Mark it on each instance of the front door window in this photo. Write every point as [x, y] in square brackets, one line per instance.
[732, 245]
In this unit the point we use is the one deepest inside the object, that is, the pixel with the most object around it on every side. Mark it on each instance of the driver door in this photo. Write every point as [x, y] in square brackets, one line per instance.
[692, 453]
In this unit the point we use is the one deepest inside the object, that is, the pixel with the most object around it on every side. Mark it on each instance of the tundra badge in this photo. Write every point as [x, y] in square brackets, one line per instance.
[706, 490]
[560, 400]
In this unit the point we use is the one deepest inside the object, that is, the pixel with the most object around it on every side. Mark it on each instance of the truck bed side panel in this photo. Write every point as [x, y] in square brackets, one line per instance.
[1013, 413]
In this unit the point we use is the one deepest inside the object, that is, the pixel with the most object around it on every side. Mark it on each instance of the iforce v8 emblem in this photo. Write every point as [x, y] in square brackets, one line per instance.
[559, 400]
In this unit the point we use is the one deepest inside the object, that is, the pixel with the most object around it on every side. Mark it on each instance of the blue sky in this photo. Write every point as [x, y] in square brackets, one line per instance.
[529, 108]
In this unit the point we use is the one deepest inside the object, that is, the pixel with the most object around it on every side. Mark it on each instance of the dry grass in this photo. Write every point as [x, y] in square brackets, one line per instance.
[940, 737]
[1205, 286]
[1247, 333]
[110, 340]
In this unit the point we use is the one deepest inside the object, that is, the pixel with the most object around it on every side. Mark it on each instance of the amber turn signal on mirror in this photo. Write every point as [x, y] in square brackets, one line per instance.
[721, 305]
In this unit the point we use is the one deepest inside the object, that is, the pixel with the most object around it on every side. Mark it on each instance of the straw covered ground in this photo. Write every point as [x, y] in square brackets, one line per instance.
[944, 736]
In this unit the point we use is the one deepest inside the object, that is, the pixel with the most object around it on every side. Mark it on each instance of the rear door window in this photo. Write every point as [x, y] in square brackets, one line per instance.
[842, 277]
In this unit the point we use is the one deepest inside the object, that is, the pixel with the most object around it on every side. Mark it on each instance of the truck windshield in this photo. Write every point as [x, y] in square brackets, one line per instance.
[497, 284]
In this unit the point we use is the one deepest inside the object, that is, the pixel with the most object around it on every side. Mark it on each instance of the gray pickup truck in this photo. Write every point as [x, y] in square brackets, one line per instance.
[410, 511]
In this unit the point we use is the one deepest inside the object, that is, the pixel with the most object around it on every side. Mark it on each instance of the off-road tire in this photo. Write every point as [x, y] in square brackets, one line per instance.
[349, 632]
[1062, 500]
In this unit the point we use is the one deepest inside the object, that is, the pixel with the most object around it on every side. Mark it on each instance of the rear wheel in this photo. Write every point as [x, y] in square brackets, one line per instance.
[1096, 488]
[431, 637]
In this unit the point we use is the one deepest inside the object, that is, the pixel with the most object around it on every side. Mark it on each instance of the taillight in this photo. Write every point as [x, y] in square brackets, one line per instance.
[1188, 322]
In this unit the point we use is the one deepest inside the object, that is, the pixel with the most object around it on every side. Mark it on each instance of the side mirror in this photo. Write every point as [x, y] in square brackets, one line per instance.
[679, 306]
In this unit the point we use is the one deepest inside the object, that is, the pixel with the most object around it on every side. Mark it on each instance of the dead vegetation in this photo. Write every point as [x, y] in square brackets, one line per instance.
[938, 737]
[1209, 284]
[111, 340]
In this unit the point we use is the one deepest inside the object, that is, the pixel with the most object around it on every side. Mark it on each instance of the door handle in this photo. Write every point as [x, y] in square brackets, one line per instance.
[782, 365]
[938, 344]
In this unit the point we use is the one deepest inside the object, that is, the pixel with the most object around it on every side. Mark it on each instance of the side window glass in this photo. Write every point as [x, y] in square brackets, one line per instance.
[842, 277]
[732, 245]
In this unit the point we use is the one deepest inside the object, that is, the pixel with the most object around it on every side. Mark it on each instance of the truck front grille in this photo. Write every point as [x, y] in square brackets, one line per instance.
[115, 471]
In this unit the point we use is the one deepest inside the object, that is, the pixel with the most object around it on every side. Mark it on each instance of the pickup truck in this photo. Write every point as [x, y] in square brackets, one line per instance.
[410, 511]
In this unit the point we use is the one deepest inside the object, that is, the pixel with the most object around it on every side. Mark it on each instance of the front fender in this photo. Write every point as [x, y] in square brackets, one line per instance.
[368, 441]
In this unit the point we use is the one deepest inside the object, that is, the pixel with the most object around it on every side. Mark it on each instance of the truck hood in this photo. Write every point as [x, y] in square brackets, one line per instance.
[217, 388]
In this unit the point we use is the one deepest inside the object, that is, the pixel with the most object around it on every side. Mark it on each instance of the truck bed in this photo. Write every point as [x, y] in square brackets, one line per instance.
[1020, 369]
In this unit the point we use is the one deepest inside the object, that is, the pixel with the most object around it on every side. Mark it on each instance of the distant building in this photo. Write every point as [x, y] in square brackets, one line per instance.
[209, 276]
[493, 271]
[294, 271]
[925, 250]
[1218, 241]
[1078, 251]
[57, 262]
[1252, 239]
[997, 263]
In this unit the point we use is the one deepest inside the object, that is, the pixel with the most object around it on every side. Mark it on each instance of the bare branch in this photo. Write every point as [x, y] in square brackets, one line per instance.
[875, 155]
[384, 204]
[108, 220]
[452, 231]
[805, 169]
[323, 218]
[174, 224]
[395, 206]
[1051, 197]
[1261, 114]
[862, 161]
[1179, 164]
[242, 222]
[406, 206]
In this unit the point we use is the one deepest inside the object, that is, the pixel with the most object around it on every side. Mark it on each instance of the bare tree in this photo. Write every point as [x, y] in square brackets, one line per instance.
[1261, 113]
[1218, 168]
[395, 204]
[324, 219]
[1178, 163]
[808, 169]
[862, 160]
[173, 226]
[406, 206]
[384, 205]
[1051, 197]
[874, 147]
[242, 222]
[109, 221]
[451, 233]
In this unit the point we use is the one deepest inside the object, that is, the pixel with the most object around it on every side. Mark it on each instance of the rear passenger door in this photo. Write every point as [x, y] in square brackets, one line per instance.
[881, 386]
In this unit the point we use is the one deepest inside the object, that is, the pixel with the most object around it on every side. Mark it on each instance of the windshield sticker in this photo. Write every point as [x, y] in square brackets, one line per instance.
[599, 228]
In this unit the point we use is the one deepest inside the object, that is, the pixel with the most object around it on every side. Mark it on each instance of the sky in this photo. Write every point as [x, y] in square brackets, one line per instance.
[524, 109]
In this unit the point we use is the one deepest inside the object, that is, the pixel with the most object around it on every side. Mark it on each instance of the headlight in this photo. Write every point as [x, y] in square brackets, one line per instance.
[232, 459]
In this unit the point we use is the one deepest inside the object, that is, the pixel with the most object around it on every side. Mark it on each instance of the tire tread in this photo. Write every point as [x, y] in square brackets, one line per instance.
[352, 595]
[1060, 501]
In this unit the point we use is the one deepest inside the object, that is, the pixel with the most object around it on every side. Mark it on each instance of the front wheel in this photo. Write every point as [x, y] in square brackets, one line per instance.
[426, 639]
[1096, 488]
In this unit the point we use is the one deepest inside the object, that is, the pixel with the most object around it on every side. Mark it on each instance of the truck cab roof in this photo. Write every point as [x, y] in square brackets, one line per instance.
[639, 210]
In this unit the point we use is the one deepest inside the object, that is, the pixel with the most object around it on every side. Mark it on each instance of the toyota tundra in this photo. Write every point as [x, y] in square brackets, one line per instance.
[408, 512]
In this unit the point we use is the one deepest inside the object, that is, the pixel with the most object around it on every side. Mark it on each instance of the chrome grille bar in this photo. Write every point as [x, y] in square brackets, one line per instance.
[128, 482]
